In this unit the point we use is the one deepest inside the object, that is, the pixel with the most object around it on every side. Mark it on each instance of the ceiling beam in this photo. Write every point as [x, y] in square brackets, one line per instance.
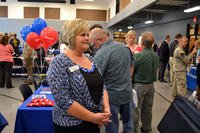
[163, 7]
[130, 9]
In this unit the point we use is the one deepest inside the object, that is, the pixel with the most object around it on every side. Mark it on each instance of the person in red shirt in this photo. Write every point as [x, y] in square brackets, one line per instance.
[6, 62]
[131, 42]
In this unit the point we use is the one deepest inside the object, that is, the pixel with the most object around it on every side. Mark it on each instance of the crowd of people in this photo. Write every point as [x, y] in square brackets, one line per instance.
[91, 91]
[93, 77]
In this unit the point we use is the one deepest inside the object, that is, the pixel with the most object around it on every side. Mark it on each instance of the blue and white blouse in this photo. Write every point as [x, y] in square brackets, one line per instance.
[68, 85]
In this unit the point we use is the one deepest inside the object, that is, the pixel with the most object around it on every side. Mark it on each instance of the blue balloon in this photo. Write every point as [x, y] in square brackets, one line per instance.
[25, 31]
[38, 25]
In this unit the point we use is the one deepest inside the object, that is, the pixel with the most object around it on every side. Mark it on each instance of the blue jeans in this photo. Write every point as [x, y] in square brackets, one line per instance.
[125, 111]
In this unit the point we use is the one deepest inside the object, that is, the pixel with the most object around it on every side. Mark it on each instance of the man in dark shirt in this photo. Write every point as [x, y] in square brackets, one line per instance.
[115, 62]
[145, 69]
[164, 57]
[172, 47]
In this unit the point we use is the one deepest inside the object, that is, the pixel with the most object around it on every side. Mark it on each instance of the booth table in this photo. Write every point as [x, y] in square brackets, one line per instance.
[34, 119]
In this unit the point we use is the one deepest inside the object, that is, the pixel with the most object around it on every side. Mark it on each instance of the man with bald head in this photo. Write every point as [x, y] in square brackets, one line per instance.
[180, 67]
[115, 62]
[145, 68]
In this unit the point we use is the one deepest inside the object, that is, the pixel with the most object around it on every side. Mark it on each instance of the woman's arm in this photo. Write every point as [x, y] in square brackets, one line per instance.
[82, 113]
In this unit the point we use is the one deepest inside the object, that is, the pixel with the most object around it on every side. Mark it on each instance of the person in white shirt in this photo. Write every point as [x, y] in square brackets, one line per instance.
[63, 47]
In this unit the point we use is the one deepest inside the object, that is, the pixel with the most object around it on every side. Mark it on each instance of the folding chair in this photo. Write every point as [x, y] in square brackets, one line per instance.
[18, 64]
[25, 91]
[3, 122]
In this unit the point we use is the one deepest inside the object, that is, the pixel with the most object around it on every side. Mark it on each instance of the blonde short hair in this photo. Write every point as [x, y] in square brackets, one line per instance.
[130, 33]
[71, 29]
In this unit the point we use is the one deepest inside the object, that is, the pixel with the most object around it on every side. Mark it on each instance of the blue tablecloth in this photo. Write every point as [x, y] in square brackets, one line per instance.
[192, 78]
[34, 119]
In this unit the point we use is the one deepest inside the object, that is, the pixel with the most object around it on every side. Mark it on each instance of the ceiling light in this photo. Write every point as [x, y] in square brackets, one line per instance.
[120, 30]
[149, 18]
[130, 27]
[192, 9]
[148, 22]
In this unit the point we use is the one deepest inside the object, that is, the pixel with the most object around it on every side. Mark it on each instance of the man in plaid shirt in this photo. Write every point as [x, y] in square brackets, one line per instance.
[195, 98]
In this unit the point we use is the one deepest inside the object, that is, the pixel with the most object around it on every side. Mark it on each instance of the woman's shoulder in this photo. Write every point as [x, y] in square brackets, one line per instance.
[61, 59]
[91, 59]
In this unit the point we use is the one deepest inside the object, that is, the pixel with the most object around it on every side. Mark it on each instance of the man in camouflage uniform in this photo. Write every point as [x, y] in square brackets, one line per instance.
[28, 54]
[180, 67]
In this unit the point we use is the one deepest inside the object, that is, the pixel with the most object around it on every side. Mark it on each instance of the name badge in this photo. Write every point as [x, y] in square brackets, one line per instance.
[74, 68]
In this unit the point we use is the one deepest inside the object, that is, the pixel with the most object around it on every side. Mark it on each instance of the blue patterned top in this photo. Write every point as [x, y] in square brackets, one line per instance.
[68, 85]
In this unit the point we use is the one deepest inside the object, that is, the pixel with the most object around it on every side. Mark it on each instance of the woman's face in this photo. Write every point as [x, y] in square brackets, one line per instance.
[131, 39]
[82, 41]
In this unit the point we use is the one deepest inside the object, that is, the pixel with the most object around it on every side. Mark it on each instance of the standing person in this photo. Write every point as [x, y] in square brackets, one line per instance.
[145, 69]
[198, 72]
[131, 42]
[164, 57]
[63, 47]
[114, 60]
[155, 47]
[180, 67]
[14, 41]
[195, 98]
[198, 62]
[77, 85]
[6, 63]
[28, 54]
[172, 47]
[91, 51]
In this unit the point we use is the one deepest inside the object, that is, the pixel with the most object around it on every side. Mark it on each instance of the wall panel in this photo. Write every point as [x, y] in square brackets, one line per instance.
[4, 11]
[92, 15]
[52, 13]
[31, 12]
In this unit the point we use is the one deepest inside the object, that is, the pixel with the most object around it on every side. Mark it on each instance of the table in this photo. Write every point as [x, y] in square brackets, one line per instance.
[34, 119]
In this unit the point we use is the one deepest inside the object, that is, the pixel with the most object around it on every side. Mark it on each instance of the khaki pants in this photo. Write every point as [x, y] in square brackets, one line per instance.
[145, 94]
[179, 84]
[171, 63]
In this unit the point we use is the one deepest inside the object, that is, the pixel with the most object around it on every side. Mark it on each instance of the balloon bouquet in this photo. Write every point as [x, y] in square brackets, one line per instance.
[39, 35]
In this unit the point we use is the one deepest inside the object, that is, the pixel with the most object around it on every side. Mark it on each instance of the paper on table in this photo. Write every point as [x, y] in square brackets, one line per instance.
[45, 92]
[38, 96]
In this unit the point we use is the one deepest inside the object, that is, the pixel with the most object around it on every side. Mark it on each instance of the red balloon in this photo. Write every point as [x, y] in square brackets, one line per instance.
[33, 40]
[49, 36]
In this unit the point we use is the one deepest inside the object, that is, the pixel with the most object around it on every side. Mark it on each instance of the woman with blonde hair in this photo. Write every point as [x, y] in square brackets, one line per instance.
[131, 42]
[81, 101]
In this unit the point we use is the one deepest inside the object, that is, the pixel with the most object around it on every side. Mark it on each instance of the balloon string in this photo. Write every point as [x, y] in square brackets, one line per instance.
[40, 63]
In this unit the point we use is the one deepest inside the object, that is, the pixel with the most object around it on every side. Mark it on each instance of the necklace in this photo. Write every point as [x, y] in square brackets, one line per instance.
[86, 70]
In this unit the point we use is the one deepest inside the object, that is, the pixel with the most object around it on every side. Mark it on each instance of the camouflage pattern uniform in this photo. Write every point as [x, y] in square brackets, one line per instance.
[180, 67]
[28, 54]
